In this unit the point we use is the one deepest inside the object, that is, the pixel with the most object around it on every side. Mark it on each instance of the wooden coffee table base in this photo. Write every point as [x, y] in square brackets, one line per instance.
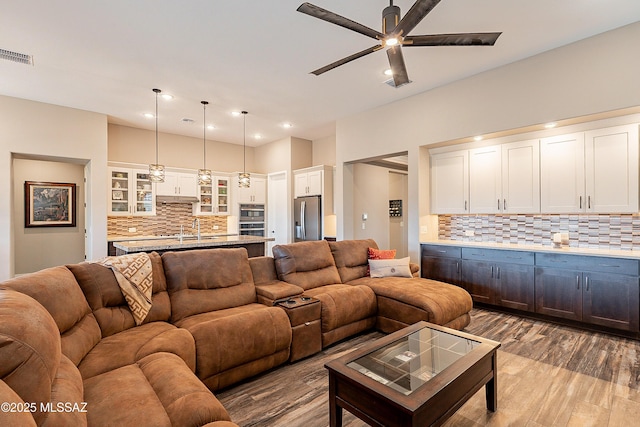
[430, 405]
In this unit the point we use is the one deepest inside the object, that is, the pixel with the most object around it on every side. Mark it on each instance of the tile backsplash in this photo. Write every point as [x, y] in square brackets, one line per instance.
[585, 231]
[167, 220]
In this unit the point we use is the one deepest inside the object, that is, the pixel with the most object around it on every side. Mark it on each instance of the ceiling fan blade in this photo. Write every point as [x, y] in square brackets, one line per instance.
[398, 69]
[334, 18]
[418, 11]
[462, 39]
[345, 60]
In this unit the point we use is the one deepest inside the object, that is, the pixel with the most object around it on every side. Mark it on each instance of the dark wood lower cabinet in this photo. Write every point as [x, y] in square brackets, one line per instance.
[599, 291]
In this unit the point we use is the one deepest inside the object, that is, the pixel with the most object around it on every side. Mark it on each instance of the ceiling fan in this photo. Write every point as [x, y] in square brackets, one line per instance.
[395, 34]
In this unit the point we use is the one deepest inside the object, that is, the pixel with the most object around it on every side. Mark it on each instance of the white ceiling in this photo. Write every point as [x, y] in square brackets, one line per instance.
[106, 56]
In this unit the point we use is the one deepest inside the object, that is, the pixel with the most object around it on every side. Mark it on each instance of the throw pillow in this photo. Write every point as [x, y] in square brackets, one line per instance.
[382, 253]
[390, 267]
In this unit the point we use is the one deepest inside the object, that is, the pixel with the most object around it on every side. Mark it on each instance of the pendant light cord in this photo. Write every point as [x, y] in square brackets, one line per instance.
[204, 134]
[157, 91]
[244, 142]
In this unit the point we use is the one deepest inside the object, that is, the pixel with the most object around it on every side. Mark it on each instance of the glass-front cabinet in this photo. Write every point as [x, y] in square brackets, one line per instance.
[130, 192]
[214, 198]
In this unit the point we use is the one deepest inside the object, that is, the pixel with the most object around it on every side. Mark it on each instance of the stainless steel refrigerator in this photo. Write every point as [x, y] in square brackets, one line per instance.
[307, 219]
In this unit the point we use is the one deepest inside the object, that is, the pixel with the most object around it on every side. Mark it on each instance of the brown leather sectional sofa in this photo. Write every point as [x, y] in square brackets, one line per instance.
[71, 353]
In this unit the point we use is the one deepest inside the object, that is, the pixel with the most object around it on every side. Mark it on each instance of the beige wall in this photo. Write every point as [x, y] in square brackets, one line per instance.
[324, 151]
[133, 145]
[370, 197]
[398, 236]
[41, 131]
[38, 248]
[593, 75]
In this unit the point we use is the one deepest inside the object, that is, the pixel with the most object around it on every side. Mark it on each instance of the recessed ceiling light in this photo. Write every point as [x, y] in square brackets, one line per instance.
[257, 136]
[477, 138]
[388, 72]
[287, 125]
[235, 113]
[166, 96]
[211, 127]
[149, 115]
[550, 125]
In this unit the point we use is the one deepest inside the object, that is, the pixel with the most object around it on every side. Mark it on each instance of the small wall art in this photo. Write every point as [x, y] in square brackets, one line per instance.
[49, 204]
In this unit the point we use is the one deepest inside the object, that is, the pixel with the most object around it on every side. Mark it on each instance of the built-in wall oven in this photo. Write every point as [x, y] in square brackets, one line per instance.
[251, 220]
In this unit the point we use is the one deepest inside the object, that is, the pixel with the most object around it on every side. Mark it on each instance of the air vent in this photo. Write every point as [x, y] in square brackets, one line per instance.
[21, 58]
[188, 121]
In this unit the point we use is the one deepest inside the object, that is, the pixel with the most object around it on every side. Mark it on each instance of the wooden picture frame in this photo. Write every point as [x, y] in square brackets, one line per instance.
[49, 204]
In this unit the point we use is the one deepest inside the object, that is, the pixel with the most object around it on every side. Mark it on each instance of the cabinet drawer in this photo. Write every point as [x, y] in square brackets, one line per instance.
[441, 251]
[588, 263]
[497, 255]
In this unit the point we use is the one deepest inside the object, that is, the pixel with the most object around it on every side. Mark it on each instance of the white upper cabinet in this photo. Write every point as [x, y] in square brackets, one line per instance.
[562, 172]
[611, 159]
[450, 182]
[485, 180]
[521, 177]
[308, 183]
[183, 184]
[130, 192]
[256, 193]
[594, 172]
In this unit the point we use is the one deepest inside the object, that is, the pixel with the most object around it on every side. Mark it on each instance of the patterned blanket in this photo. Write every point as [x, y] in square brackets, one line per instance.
[134, 274]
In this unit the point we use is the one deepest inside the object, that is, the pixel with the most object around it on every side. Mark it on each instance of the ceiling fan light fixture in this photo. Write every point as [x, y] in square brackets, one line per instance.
[391, 41]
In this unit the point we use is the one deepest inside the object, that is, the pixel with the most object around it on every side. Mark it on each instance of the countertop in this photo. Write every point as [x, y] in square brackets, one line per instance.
[611, 253]
[153, 237]
[173, 243]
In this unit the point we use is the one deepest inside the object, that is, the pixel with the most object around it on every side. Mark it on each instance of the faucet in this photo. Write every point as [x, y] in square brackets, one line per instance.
[196, 222]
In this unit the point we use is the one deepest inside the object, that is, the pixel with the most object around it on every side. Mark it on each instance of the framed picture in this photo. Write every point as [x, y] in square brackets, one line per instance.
[49, 204]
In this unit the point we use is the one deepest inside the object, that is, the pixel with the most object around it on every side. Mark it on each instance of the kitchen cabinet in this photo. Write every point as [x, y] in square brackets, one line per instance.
[442, 263]
[520, 178]
[503, 278]
[184, 184]
[595, 290]
[593, 172]
[256, 193]
[130, 192]
[485, 180]
[214, 198]
[308, 183]
[450, 182]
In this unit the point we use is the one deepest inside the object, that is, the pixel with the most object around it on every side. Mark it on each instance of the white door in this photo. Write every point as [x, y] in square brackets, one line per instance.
[521, 177]
[450, 182]
[485, 180]
[611, 156]
[278, 212]
[562, 174]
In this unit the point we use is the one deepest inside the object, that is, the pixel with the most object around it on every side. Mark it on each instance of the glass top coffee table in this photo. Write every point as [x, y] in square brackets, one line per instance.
[417, 376]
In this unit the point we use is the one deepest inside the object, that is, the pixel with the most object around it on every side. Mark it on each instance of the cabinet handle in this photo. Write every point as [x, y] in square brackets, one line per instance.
[580, 202]
[492, 271]
[504, 204]
[609, 265]
[586, 283]
[497, 272]
[498, 204]
[578, 282]
[465, 205]
[589, 202]
[457, 267]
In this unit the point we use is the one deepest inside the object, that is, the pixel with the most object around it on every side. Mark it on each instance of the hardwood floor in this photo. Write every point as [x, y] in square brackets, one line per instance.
[548, 375]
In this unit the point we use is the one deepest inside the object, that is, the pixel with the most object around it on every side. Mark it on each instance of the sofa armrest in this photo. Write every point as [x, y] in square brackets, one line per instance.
[415, 269]
[269, 293]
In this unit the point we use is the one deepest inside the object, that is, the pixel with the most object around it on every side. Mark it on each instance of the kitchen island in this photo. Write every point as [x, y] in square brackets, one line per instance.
[254, 245]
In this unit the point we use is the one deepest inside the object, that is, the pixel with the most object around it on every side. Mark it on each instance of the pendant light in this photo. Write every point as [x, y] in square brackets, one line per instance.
[156, 171]
[244, 179]
[204, 174]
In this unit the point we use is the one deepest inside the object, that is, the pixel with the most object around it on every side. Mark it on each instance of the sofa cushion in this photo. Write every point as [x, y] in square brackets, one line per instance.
[131, 345]
[158, 390]
[306, 264]
[57, 290]
[268, 287]
[18, 419]
[29, 348]
[105, 298]
[205, 280]
[235, 343]
[352, 257]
